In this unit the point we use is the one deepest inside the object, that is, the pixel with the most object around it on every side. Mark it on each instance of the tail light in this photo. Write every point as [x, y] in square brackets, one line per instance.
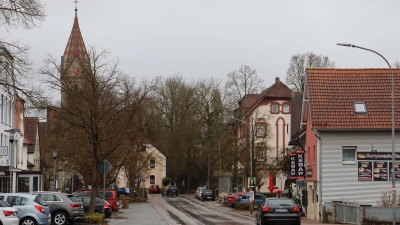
[40, 209]
[295, 209]
[8, 213]
[266, 209]
[75, 205]
[106, 206]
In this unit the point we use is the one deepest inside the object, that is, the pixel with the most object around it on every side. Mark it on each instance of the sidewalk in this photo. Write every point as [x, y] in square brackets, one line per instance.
[222, 207]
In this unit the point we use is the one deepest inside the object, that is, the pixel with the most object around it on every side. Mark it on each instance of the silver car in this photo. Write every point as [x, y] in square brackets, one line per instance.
[32, 209]
[62, 209]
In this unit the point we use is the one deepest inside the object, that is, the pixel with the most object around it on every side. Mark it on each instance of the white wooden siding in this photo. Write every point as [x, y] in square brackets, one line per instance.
[339, 181]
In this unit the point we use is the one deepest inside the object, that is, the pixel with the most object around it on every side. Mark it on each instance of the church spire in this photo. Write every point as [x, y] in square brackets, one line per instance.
[75, 47]
[76, 7]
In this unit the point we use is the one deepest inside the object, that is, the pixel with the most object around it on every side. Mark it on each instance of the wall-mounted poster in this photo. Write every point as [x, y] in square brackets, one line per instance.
[396, 171]
[380, 171]
[365, 170]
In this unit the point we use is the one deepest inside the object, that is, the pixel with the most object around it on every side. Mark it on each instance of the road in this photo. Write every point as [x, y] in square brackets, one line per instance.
[178, 210]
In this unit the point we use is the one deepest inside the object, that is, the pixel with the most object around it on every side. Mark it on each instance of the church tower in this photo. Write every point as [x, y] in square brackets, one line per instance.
[74, 63]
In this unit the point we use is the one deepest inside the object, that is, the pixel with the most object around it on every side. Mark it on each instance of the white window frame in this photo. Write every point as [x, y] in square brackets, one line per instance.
[286, 108]
[346, 159]
[275, 106]
[261, 127]
[360, 107]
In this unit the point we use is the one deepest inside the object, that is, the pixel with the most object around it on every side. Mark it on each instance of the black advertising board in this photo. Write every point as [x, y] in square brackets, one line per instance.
[396, 171]
[301, 172]
[365, 170]
[380, 171]
[297, 165]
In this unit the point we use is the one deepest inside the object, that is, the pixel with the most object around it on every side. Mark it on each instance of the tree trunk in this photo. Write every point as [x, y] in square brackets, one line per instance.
[95, 185]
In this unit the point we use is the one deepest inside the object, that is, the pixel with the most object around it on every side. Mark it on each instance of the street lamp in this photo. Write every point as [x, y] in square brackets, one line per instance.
[393, 153]
[251, 144]
[54, 176]
[11, 139]
[65, 173]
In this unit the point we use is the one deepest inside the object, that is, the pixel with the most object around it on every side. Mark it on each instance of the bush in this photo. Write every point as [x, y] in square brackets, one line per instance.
[95, 218]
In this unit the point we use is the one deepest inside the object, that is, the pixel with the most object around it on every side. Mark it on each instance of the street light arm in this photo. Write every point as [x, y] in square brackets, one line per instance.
[355, 46]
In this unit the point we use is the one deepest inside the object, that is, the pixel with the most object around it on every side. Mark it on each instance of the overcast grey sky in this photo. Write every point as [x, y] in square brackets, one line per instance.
[210, 38]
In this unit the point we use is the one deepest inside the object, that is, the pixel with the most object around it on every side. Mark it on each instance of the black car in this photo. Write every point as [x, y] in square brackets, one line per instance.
[170, 190]
[207, 195]
[98, 207]
[278, 210]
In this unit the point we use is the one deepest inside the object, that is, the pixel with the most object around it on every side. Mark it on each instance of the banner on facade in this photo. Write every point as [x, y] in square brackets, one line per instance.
[297, 165]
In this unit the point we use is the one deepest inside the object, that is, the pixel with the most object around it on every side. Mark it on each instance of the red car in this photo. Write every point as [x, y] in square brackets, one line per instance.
[154, 188]
[231, 199]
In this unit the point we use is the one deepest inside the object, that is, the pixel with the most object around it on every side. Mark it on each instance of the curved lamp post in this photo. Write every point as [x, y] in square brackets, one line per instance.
[393, 152]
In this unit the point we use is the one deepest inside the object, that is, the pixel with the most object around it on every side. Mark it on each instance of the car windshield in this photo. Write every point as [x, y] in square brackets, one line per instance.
[280, 202]
[207, 191]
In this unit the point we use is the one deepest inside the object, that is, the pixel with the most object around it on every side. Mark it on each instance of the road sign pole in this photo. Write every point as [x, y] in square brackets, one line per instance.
[104, 183]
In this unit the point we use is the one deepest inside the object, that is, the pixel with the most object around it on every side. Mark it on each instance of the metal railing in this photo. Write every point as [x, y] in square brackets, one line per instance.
[347, 213]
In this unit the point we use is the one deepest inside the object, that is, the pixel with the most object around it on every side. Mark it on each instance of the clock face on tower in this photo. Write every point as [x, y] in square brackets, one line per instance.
[76, 71]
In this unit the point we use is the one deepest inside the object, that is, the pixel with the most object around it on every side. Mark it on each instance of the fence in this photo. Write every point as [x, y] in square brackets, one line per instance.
[347, 213]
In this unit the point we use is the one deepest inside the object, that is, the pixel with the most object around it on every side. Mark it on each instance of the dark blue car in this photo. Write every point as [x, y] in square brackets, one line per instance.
[123, 191]
[258, 198]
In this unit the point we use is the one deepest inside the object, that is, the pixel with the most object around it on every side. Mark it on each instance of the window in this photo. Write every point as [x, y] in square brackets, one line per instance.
[360, 107]
[261, 130]
[260, 153]
[286, 108]
[349, 155]
[275, 108]
[152, 179]
[16, 200]
[152, 163]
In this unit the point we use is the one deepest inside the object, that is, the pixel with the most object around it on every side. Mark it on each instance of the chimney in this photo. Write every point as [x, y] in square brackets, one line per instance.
[277, 80]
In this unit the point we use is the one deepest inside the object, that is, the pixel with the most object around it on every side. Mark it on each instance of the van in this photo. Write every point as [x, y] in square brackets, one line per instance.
[111, 196]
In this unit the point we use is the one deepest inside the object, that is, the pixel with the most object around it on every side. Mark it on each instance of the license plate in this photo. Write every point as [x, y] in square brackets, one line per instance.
[281, 210]
[208, 197]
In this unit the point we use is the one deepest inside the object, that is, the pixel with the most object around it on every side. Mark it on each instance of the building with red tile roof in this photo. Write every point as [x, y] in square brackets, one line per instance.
[346, 132]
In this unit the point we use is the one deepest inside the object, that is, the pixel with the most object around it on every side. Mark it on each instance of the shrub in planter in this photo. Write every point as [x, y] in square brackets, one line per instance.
[94, 218]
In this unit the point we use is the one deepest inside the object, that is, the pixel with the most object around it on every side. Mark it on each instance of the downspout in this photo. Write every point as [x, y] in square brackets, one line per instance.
[319, 175]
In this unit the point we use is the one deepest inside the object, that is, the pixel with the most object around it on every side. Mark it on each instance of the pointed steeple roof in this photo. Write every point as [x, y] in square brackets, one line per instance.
[75, 47]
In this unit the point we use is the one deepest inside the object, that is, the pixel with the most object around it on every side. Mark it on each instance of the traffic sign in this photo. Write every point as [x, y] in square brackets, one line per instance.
[3, 150]
[105, 167]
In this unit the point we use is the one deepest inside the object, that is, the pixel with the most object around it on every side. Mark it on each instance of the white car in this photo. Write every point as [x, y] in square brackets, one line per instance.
[8, 214]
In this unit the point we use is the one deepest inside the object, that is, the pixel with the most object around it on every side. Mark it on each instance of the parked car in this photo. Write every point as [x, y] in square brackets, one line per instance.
[123, 191]
[62, 209]
[100, 204]
[207, 195]
[110, 196]
[282, 210]
[154, 188]
[199, 190]
[32, 209]
[231, 199]
[170, 190]
[8, 214]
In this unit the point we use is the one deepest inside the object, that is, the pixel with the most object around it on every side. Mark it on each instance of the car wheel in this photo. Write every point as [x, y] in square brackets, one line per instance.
[60, 218]
[28, 221]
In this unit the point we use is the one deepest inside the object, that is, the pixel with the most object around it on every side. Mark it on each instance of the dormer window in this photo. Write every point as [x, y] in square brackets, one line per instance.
[360, 107]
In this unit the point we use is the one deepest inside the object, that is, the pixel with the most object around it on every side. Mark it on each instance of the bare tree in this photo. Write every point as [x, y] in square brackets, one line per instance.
[396, 64]
[297, 68]
[15, 66]
[241, 82]
[98, 114]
